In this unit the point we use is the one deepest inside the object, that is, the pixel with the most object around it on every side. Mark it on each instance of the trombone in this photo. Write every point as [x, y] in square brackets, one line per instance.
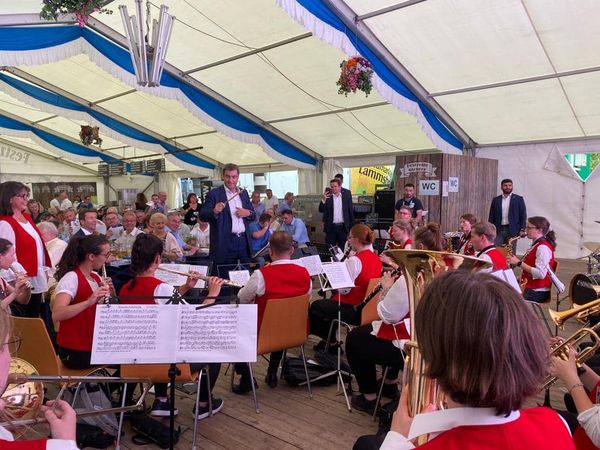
[24, 393]
[580, 312]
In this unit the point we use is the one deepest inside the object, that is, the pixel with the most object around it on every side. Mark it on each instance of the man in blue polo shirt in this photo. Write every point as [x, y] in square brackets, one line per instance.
[294, 226]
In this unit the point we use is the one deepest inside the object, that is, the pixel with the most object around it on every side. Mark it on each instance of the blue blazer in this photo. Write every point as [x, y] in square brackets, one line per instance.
[347, 211]
[220, 225]
[517, 214]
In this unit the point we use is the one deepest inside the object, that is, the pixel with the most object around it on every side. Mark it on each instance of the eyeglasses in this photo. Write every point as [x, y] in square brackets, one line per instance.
[24, 196]
[14, 345]
[106, 255]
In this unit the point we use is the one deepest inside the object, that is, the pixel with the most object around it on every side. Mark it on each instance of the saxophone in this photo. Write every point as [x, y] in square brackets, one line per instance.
[508, 246]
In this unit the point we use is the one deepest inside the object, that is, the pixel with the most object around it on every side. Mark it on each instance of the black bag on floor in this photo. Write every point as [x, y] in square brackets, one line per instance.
[330, 361]
[293, 373]
[385, 414]
[150, 430]
[92, 436]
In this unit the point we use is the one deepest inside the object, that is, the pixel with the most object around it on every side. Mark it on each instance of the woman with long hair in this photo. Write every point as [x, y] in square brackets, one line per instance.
[362, 267]
[78, 291]
[60, 415]
[145, 288]
[487, 352]
[381, 342]
[537, 260]
[21, 292]
[18, 227]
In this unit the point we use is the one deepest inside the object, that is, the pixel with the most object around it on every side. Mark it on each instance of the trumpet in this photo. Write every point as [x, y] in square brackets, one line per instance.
[562, 350]
[581, 312]
[20, 274]
[199, 276]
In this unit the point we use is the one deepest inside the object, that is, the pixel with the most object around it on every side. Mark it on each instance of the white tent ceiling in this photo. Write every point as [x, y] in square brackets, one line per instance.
[503, 71]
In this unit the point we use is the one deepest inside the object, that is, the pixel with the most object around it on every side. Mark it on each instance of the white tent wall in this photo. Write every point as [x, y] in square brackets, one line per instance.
[552, 189]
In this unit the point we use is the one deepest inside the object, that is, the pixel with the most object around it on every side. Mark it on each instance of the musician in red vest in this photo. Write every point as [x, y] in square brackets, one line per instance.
[381, 342]
[78, 291]
[584, 390]
[60, 417]
[18, 227]
[465, 247]
[362, 267]
[145, 258]
[279, 280]
[537, 260]
[483, 400]
[483, 236]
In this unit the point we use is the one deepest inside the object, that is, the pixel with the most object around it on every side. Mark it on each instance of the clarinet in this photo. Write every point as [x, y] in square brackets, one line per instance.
[358, 308]
[346, 254]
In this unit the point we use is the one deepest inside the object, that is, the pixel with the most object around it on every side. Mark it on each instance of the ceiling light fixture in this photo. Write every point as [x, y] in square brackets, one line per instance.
[143, 49]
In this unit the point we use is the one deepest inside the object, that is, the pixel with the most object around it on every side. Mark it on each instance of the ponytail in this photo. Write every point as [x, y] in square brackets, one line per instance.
[430, 237]
[77, 251]
[542, 224]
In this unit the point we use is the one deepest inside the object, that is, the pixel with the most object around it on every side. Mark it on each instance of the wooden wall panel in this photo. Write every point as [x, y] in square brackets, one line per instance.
[477, 186]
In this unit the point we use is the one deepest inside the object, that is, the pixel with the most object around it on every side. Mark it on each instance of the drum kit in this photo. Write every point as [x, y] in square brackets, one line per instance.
[585, 287]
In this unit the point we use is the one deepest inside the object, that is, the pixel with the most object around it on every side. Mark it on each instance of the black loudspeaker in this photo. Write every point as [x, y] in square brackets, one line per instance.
[385, 200]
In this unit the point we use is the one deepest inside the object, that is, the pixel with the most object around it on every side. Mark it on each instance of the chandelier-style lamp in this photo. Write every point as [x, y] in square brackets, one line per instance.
[144, 48]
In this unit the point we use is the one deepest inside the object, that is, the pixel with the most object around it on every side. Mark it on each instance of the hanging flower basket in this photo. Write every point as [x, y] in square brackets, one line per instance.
[356, 75]
[81, 8]
[90, 135]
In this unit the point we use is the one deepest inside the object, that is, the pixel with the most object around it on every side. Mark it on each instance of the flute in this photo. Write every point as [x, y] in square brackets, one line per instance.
[104, 278]
[199, 276]
[19, 274]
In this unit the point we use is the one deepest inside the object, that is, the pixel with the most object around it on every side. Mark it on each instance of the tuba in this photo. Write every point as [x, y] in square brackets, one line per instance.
[419, 268]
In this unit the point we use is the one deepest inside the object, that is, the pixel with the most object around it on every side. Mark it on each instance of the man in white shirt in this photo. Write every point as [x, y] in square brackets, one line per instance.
[271, 201]
[113, 227]
[55, 246]
[130, 231]
[64, 202]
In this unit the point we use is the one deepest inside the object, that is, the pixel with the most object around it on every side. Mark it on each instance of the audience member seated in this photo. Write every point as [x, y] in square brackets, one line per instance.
[259, 236]
[113, 227]
[129, 230]
[201, 232]
[288, 203]
[88, 219]
[362, 267]
[259, 207]
[174, 226]
[294, 227]
[172, 250]
[36, 211]
[55, 246]
[271, 201]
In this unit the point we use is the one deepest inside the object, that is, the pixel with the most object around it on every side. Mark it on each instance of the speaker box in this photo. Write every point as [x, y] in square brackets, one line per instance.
[385, 201]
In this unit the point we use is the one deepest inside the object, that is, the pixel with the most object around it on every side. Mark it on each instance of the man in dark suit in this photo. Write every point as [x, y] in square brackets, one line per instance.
[338, 213]
[87, 222]
[508, 214]
[229, 212]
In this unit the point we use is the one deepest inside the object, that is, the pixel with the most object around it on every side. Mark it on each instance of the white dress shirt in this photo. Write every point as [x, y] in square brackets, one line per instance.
[392, 308]
[272, 202]
[203, 236]
[56, 247]
[338, 213]
[505, 208]
[237, 223]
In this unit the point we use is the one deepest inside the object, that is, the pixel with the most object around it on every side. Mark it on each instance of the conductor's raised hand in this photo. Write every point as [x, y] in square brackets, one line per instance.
[242, 212]
[218, 208]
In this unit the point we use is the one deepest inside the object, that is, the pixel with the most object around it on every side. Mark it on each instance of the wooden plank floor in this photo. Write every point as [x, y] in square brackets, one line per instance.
[288, 419]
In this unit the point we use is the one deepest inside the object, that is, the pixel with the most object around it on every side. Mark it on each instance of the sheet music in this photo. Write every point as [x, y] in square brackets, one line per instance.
[311, 263]
[216, 332]
[179, 280]
[508, 276]
[337, 275]
[239, 276]
[127, 334]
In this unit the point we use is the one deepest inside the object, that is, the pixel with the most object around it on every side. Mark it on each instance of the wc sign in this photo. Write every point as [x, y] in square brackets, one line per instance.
[429, 187]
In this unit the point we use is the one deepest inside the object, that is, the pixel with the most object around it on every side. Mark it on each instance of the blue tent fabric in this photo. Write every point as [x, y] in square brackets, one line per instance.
[35, 38]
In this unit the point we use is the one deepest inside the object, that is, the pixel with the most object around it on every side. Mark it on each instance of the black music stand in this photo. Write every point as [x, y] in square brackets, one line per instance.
[326, 286]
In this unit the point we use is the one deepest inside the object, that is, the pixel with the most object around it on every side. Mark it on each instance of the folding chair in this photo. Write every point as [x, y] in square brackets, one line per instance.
[159, 373]
[283, 326]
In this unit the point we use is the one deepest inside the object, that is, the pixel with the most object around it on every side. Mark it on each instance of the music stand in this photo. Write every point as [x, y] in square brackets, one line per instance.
[326, 286]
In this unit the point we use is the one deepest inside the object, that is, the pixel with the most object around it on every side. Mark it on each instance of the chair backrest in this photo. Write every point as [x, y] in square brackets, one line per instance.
[158, 373]
[284, 324]
[369, 312]
[36, 346]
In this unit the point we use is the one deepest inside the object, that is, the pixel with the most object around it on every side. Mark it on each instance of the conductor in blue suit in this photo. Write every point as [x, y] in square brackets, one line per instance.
[508, 214]
[229, 211]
